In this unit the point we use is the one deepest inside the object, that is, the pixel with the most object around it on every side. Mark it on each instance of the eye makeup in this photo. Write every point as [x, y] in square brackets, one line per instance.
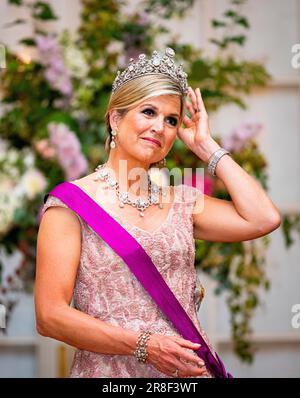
[175, 121]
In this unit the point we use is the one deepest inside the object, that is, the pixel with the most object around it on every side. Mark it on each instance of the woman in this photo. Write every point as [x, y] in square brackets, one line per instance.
[119, 331]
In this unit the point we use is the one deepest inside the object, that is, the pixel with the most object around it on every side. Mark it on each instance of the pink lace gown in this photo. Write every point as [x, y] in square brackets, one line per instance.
[106, 289]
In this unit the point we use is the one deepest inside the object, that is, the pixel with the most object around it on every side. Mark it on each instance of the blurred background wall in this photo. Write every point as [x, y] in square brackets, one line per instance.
[275, 28]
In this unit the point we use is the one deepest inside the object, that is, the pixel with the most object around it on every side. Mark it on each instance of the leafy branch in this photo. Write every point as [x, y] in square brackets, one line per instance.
[231, 19]
[168, 8]
[290, 223]
[40, 10]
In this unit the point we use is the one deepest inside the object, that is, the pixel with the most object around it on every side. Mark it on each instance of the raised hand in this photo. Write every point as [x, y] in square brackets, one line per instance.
[196, 134]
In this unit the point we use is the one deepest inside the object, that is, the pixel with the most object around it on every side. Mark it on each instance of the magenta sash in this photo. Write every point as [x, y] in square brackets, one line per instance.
[141, 265]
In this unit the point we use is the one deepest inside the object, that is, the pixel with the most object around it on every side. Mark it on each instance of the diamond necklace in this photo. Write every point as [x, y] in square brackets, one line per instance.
[123, 198]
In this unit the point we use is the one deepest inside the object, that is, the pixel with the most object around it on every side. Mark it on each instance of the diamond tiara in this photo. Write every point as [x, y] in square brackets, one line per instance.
[157, 64]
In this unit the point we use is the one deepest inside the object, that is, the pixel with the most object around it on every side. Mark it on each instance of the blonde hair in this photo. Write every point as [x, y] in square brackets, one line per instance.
[135, 91]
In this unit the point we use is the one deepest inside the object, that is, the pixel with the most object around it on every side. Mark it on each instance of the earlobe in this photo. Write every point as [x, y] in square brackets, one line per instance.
[113, 119]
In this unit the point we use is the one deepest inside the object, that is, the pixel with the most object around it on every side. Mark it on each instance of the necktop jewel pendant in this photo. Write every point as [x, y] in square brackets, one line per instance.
[123, 198]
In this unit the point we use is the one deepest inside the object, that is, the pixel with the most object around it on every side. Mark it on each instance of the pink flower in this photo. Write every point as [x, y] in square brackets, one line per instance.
[70, 144]
[204, 184]
[77, 169]
[239, 136]
[57, 133]
[68, 150]
[51, 76]
[143, 18]
[56, 72]
[46, 43]
[65, 86]
[57, 64]
[45, 149]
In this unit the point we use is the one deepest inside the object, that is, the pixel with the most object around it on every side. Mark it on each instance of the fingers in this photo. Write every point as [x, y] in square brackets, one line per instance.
[182, 370]
[197, 101]
[188, 356]
[191, 110]
[185, 370]
[192, 358]
[191, 371]
[185, 343]
[200, 102]
[196, 104]
[194, 99]
[175, 352]
[198, 96]
[187, 122]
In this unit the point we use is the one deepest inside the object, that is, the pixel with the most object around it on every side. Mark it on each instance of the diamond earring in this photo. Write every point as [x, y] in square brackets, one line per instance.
[113, 139]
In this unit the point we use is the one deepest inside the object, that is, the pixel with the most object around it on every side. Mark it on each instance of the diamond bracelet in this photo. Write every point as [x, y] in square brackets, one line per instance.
[141, 353]
[214, 159]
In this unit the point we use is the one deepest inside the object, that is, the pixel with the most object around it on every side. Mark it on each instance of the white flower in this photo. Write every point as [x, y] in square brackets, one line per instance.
[89, 82]
[12, 155]
[14, 172]
[3, 149]
[100, 63]
[28, 159]
[19, 192]
[8, 203]
[6, 218]
[121, 61]
[115, 47]
[75, 62]
[32, 183]
[6, 184]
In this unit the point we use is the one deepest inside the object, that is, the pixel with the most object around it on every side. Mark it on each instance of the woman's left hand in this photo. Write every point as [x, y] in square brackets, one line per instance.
[196, 134]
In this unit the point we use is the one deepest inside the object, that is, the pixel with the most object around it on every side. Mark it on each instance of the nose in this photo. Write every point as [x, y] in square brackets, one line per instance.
[158, 124]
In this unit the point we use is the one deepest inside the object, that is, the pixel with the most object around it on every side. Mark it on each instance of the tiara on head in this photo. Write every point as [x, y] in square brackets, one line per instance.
[156, 65]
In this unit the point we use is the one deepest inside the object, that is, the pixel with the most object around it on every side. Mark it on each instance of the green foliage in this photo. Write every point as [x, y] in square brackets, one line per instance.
[232, 18]
[42, 10]
[290, 223]
[16, 2]
[168, 8]
[224, 79]
[39, 10]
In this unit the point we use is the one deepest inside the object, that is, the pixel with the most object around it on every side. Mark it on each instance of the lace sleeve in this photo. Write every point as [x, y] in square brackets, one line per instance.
[188, 196]
[50, 201]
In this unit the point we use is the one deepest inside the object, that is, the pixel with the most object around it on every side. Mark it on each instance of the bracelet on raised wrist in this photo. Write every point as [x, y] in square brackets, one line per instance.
[214, 159]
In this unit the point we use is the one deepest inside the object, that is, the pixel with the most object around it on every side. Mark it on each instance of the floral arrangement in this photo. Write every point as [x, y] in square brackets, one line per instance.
[53, 129]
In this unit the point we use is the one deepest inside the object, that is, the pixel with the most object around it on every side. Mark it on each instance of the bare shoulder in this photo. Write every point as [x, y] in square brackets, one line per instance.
[85, 182]
[59, 218]
[63, 216]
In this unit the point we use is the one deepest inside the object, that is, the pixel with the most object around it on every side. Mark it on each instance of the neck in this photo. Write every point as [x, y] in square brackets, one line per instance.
[131, 174]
